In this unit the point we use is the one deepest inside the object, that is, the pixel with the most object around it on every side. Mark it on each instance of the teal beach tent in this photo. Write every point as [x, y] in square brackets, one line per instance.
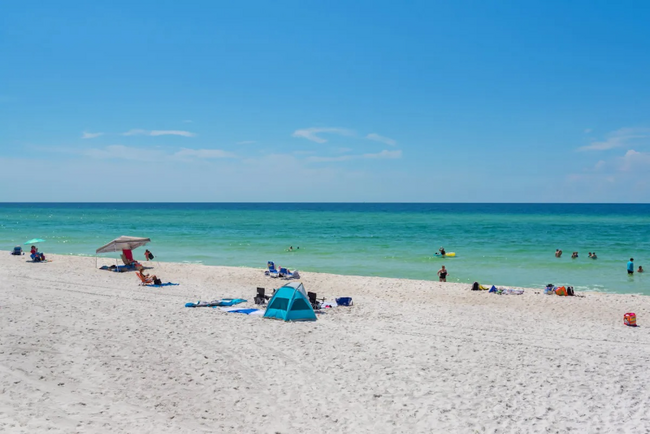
[290, 303]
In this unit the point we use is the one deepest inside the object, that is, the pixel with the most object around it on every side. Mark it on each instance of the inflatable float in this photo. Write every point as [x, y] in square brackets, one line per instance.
[446, 255]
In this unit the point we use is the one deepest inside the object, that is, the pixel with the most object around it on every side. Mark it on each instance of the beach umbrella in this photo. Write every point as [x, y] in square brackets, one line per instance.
[34, 241]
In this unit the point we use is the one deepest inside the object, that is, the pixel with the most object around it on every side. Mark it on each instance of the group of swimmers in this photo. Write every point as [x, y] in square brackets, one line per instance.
[630, 264]
[574, 255]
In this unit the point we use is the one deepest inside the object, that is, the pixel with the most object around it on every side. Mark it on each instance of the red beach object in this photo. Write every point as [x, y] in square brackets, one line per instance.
[630, 319]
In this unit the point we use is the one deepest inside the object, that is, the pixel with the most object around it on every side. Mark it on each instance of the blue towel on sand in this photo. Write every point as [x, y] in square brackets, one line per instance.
[165, 284]
[244, 311]
[216, 303]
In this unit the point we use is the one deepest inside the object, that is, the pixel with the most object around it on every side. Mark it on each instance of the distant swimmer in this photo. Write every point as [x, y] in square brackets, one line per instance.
[640, 270]
[593, 256]
[442, 251]
[558, 253]
[442, 274]
[574, 255]
[630, 266]
[290, 249]
[590, 254]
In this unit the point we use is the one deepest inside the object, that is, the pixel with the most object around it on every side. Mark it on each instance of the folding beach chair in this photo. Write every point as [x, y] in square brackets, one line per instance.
[261, 298]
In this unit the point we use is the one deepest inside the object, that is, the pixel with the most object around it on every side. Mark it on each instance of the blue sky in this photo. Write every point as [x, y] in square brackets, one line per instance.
[465, 101]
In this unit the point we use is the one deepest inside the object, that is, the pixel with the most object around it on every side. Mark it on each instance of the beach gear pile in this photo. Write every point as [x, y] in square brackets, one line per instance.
[563, 291]
[282, 272]
[505, 291]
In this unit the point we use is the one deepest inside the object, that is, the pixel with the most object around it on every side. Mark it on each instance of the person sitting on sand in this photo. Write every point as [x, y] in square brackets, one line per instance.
[148, 279]
[640, 270]
[442, 274]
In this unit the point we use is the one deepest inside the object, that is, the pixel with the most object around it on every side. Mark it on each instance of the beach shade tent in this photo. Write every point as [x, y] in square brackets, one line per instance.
[125, 244]
[290, 303]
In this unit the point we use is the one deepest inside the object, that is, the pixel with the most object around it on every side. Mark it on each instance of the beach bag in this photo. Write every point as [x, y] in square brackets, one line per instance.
[344, 301]
[549, 290]
[629, 319]
[150, 255]
[476, 287]
[157, 281]
[569, 291]
[561, 291]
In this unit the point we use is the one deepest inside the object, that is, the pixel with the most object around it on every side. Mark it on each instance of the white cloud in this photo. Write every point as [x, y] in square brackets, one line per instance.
[385, 154]
[382, 139]
[140, 132]
[185, 153]
[633, 159]
[87, 135]
[617, 139]
[331, 159]
[171, 133]
[246, 142]
[313, 133]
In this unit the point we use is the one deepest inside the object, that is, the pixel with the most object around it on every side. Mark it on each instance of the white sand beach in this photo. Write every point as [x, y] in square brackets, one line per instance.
[90, 351]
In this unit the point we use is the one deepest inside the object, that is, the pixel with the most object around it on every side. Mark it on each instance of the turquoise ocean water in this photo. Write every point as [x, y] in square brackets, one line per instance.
[505, 244]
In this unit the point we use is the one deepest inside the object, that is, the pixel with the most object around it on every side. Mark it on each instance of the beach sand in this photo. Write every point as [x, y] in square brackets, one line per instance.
[90, 351]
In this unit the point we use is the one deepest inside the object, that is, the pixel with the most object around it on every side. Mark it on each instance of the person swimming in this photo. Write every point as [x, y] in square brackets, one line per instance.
[593, 256]
[574, 255]
[558, 253]
[640, 270]
[442, 251]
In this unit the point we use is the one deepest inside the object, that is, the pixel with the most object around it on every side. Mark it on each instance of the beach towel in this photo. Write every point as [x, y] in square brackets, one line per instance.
[328, 304]
[249, 311]
[164, 284]
[216, 303]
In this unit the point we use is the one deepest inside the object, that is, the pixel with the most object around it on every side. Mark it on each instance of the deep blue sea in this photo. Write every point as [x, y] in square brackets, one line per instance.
[504, 244]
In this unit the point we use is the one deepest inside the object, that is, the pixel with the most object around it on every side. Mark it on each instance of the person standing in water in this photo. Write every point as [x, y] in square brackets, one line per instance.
[442, 274]
[630, 266]
[558, 253]
[442, 251]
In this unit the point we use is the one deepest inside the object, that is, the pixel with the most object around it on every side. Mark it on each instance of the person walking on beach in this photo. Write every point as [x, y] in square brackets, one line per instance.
[148, 255]
[442, 274]
[630, 266]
